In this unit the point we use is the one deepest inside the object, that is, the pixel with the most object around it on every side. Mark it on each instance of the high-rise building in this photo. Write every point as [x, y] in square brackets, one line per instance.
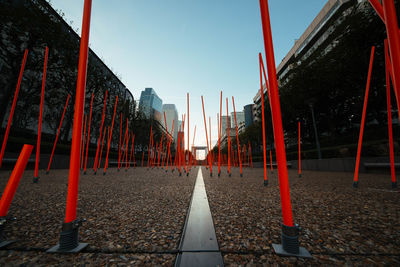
[225, 123]
[171, 116]
[239, 119]
[248, 115]
[150, 104]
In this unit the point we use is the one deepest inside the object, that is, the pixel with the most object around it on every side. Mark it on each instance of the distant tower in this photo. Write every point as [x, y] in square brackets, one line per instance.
[150, 104]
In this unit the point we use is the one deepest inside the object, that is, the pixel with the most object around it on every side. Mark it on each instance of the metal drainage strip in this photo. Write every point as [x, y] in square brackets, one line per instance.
[199, 246]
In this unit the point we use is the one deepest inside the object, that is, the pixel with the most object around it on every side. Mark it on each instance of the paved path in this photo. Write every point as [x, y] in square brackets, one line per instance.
[199, 246]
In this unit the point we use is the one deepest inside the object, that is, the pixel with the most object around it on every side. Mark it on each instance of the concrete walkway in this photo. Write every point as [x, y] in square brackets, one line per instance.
[199, 246]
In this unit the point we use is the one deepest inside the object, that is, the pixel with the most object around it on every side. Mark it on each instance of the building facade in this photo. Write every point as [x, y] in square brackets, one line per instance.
[239, 119]
[225, 123]
[151, 104]
[248, 115]
[315, 36]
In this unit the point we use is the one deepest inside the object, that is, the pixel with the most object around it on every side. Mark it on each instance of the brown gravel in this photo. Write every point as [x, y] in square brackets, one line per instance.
[341, 225]
[138, 211]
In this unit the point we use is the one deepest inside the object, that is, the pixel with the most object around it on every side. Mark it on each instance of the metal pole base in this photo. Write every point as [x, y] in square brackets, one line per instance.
[3, 241]
[230, 175]
[241, 175]
[69, 239]
[95, 172]
[394, 184]
[180, 174]
[219, 174]
[84, 172]
[265, 182]
[355, 184]
[210, 174]
[290, 243]
[299, 175]
[35, 180]
[104, 173]
[187, 174]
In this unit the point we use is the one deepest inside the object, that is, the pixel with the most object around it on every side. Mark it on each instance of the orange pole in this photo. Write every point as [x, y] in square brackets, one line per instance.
[83, 142]
[228, 140]
[237, 137]
[101, 150]
[169, 144]
[101, 131]
[389, 112]
[194, 134]
[378, 8]
[58, 132]
[277, 118]
[299, 151]
[263, 117]
[178, 147]
[211, 155]
[46, 55]
[371, 61]
[15, 177]
[90, 119]
[220, 135]
[120, 136]
[205, 126]
[10, 117]
[188, 155]
[110, 135]
[126, 139]
[72, 196]
[148, 153]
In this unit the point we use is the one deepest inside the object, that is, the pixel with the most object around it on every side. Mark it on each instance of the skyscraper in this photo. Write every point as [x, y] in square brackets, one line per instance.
[150, 104]
[248, 115]
[171, 115]
[225, 120]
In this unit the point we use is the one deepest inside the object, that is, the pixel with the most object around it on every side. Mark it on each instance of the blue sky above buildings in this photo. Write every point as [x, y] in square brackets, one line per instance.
[195, 46]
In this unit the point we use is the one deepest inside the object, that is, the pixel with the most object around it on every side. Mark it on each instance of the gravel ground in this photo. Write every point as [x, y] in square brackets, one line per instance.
[130, 216]
[341, 225]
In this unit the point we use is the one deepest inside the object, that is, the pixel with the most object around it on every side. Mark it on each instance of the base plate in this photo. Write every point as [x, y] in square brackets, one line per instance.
[303, 253]
[80, 247]
[6, 243]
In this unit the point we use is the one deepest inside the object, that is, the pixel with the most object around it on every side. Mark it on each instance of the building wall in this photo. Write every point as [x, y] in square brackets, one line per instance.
[248, 115]
[225, 120]
[151, 104]
[171, 116]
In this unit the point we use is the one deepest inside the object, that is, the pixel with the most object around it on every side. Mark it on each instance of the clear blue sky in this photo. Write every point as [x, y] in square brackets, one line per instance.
[195, 46]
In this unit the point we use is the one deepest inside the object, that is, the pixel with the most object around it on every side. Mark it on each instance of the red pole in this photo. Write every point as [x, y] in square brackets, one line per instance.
[299, 151]
[263, 117]
[72, 196]
[277, 119]
[110, 135]
[169, 144]
[209, 120]
[392, 31]
[228, 140]
[119, 146]
[194, 135]
[205, 126]
[126, 139]
[389, 112]
[378, 8]
[148, 153]
[168, 136]
[35, 178]
[220, 135]
[101, 150]
[371, 61]
[15, 177]
[178, 147]
[10, 117]
[101, 131]
[237, 137]
[83, 142]
[58, 132]
[90, 119]
[188, 155]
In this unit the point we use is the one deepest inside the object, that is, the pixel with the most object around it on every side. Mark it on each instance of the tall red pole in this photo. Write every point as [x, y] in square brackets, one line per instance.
[393, 34]
[228, 140]
[178, 148]
[126, 139]
[371, 61]
[72, 196]
[205, 126]
[188, 148]
[90, 119]
[169, 144]
[101, 150]
[10, 117]
[110, 136]
[15, 177]
[58, 132]
[83, 142]
[101, 133]
[148, 153]
[263, 116]
[211, 155]
[299, 150]
[220, 136]
[276, 114]
[389, 113]
[194, 135]
[119, 145]
[36, 178]
[237, 138]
